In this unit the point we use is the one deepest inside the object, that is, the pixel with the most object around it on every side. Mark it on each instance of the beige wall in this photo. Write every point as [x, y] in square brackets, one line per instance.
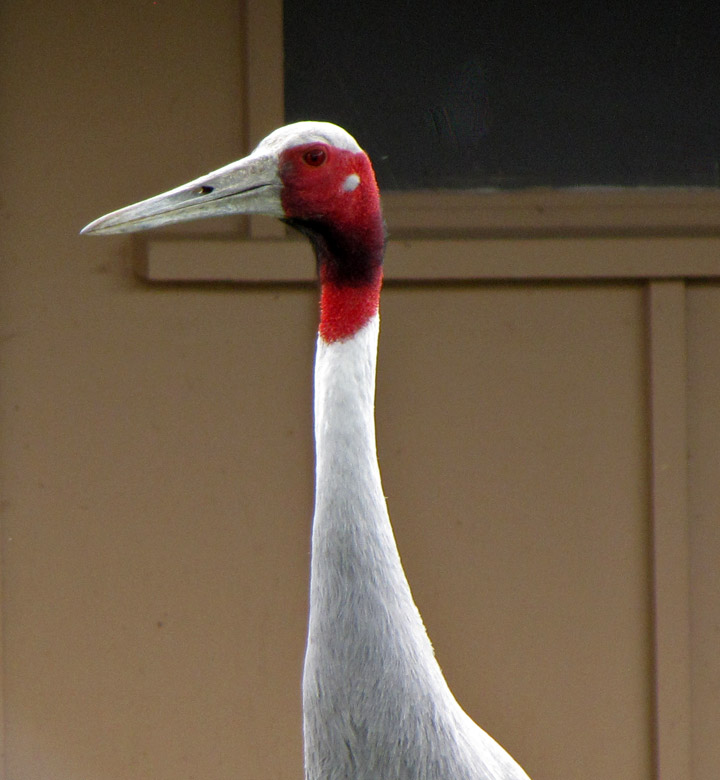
[156, 455]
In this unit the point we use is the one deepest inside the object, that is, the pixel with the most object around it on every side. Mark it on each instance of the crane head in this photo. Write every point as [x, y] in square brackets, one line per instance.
[313, 175]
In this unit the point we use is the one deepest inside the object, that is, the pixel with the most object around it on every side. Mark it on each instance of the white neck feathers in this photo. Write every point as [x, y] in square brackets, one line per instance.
[365, 632]
[375, 703]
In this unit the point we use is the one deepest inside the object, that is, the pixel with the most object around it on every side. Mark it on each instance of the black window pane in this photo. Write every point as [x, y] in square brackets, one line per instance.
[514, 94]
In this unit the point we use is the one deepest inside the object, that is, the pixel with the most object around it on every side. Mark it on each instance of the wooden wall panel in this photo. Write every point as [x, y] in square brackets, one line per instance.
[512, 438]
[667, 368]
[703, 320]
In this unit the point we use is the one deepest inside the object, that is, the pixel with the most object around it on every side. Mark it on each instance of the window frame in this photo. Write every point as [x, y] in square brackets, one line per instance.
[465, 228]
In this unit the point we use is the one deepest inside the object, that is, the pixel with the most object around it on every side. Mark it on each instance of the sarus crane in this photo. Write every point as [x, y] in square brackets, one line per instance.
[375, 703]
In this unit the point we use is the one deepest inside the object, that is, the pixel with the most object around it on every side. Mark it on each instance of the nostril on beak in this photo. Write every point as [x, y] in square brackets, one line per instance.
[203, 189]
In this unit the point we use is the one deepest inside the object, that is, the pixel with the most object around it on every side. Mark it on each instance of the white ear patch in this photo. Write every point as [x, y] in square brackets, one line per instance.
[351, 182]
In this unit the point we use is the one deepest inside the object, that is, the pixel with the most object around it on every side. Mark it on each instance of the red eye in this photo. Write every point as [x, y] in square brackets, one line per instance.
[315, 157]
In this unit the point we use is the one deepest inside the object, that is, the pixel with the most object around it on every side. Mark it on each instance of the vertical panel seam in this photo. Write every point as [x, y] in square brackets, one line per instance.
[670, 529]
[264, 97]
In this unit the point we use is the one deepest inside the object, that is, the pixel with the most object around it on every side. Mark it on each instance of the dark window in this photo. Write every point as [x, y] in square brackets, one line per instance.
[508, 94]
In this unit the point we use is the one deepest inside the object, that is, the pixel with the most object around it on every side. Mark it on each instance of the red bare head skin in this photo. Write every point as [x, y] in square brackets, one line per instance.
[331, 195]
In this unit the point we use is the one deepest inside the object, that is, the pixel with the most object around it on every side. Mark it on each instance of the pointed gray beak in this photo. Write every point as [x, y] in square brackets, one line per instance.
[248, 186]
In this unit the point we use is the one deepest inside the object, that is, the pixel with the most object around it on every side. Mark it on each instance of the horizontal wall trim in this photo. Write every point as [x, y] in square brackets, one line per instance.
[606, 210]
[287, 260]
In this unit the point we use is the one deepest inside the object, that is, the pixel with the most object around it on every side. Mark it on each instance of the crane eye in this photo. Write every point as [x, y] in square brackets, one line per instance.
[315, 157]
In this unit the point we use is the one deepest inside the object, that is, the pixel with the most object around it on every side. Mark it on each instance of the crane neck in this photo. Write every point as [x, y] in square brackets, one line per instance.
[349, 249]
[344, 406]
[346, 308]
[350, 268]
[361, 609]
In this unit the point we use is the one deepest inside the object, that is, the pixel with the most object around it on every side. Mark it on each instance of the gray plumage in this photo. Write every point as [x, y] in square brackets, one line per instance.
[376, 705]
[375, 702]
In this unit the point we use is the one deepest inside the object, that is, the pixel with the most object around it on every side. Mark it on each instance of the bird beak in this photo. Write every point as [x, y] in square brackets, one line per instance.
[248, 186]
